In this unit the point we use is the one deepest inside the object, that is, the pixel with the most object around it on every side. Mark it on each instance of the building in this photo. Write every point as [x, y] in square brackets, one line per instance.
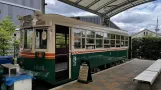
[145, 33]
[95, 20]
[15, 8]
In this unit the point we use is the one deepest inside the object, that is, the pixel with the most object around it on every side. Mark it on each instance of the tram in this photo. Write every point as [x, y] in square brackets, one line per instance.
[52, 46]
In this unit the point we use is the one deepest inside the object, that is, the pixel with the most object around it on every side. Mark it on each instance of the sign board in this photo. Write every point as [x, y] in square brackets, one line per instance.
[85, 73]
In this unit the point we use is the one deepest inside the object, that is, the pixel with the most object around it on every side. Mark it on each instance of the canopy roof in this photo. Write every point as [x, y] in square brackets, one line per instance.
[106, 8]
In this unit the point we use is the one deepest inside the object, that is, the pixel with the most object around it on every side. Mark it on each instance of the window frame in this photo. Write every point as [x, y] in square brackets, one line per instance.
[111, 39]
[80, 37]
[108, 38]
[89, 44]
[99, 38]
[31, 40]
[116, 39]
[36, 49]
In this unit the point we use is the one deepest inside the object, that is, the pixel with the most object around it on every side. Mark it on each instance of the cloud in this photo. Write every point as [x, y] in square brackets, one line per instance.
[57, 7]
[137, 18]
[133, 20]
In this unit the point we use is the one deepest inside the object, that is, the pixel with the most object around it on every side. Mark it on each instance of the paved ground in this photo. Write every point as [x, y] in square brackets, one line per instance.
[117, 78]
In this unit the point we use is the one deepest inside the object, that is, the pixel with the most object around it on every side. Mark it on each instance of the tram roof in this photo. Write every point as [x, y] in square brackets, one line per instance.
[67, 21]
[106, 8]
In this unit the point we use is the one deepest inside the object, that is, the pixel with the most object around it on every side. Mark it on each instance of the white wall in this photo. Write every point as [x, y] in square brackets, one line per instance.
[145, 33]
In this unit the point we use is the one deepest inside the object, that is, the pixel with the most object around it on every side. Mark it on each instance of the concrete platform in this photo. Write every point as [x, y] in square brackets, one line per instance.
[116, 78]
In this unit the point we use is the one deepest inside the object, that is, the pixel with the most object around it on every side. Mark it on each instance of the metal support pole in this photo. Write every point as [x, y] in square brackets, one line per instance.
[105, 21]
[43, 6]
[14, 45]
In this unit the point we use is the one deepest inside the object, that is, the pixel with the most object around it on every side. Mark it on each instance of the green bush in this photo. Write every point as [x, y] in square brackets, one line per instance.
[146, 48]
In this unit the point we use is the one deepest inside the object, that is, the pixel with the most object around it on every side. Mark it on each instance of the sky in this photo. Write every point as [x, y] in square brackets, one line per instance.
[132, 20]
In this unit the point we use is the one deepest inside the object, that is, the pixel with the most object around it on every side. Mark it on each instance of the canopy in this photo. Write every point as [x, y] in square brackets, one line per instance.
[105, 8]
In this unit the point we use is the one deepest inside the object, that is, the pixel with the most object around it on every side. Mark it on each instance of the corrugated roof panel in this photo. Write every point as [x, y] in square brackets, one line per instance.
[120, 9]
[99, 4]
[105, 7]
[117, 2]
[125, 7]
[73, 0]
[86, 2]
[102, 10]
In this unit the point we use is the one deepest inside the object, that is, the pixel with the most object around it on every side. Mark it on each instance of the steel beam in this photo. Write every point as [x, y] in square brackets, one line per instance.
[43, 6]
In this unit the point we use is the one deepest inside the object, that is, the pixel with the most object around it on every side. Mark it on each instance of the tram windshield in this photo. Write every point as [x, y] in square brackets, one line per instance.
[28, 33]
[41, 39]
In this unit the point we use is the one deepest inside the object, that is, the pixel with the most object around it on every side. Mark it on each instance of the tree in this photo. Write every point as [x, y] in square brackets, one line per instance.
[7, 29]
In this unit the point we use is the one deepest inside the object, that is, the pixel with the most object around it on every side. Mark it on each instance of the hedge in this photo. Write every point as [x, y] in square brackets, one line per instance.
[146, 48]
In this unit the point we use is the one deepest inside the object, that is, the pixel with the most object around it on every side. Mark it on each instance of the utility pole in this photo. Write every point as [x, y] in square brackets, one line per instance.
[157, 28]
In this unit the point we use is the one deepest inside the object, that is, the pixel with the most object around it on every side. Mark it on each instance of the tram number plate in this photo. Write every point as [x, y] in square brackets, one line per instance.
[83, 73]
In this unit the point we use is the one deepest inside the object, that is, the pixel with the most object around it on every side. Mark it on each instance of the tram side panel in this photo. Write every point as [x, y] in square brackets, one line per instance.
[97, 59]
[43, 69]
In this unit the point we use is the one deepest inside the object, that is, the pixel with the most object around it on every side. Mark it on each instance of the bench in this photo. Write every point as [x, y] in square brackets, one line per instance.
[150, 74]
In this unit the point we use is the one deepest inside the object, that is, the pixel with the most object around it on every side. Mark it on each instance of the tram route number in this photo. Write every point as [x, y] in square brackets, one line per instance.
[39, 68]
[74, 61]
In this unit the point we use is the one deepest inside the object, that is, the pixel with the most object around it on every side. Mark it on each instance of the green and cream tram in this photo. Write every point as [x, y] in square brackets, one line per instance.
[52, 46]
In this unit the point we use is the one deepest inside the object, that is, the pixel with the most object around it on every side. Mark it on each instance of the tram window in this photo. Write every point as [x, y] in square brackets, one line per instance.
[41, 42]
[99, 43]
[126, 38]
[90, 34]
[106, 46]
[106, 41]
[112, 36]
[122, 37]
[99, 35]
[126, 43]
[77, 43]
[83, 33]
[122, 41]
[109, 35]
[112, 43]
[83, 42]
[118, 42]
[21, 38]
[117, 36]
[105, 35]
[77, 33]
[90, 41]
[28, 38]
[90, 46]
[79, 39]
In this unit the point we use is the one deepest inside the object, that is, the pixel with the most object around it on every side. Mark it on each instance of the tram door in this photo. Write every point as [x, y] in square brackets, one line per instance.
[62, 53]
